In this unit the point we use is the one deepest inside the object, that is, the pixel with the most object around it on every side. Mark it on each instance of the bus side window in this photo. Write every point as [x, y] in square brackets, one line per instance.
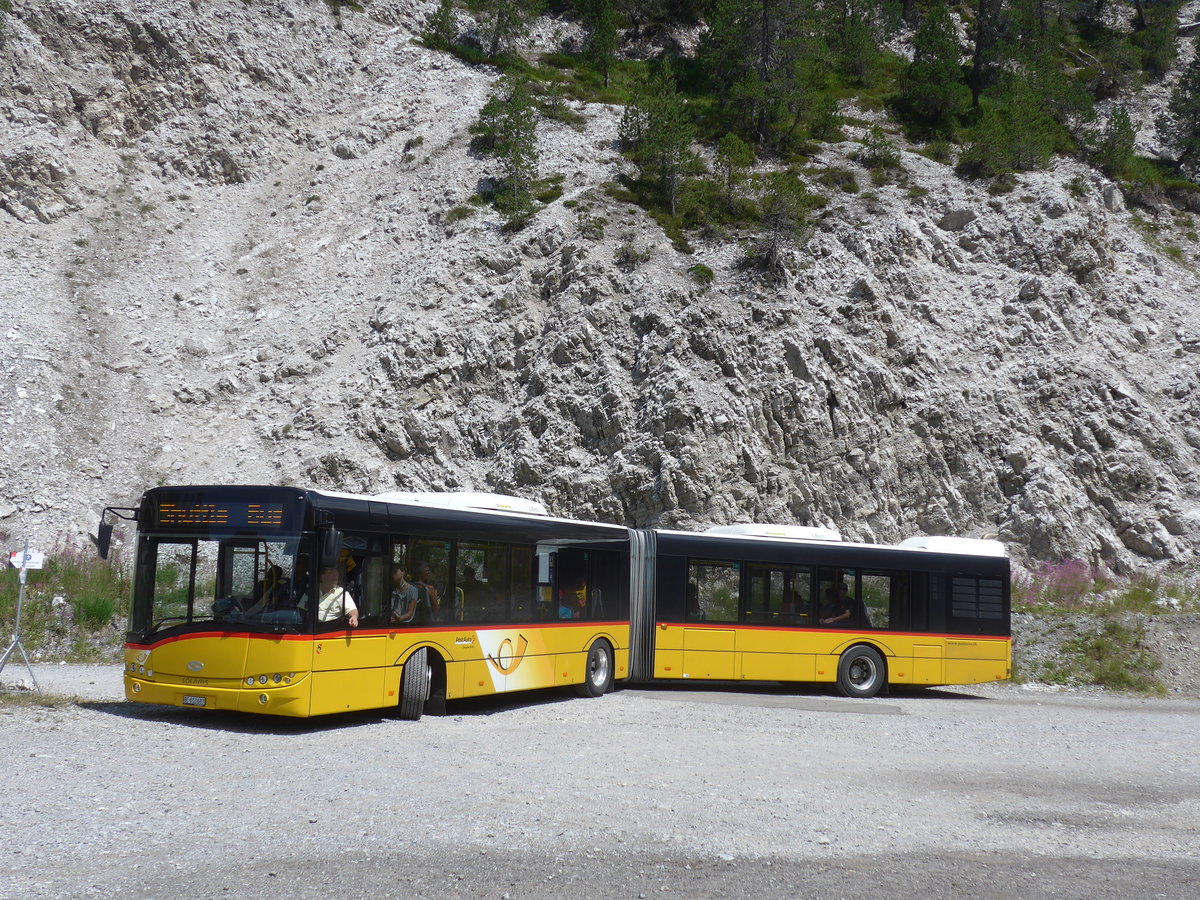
[372, 604]
[607, 584]
[764, 594]
[717, 590]
[797, 598]
[364, 575]
[431, 571]
[840, 605]
[878, 590]
[571, 585]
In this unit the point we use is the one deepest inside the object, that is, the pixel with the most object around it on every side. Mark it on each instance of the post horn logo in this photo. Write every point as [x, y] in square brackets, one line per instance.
[506, 660]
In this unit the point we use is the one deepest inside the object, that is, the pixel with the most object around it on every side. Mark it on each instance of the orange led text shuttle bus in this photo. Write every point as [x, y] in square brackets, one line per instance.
[300, 602]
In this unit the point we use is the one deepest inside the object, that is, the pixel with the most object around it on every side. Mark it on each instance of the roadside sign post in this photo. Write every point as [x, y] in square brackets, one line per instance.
[28, 561]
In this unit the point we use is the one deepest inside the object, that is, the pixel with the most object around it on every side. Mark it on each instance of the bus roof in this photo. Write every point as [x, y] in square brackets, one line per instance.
[468, 502]
[790, 532]
[962, 546]
[478, 500]
[954, 546]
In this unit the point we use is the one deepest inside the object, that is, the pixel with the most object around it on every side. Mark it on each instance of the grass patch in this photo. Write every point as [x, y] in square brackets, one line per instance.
[1087, 628]
[74, 608]
[1116, 658]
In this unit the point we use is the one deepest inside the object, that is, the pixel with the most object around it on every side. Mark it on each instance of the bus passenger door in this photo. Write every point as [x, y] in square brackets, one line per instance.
[713, 593]
[348, 662]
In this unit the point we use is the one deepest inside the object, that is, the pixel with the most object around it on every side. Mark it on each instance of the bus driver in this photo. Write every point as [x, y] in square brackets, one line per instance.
[335, 600]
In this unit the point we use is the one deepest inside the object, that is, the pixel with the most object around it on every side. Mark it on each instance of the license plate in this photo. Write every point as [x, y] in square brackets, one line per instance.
[189, 700]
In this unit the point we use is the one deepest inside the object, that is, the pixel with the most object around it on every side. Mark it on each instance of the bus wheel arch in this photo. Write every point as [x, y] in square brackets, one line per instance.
[862, 672]
[416, 681]
[598, 670]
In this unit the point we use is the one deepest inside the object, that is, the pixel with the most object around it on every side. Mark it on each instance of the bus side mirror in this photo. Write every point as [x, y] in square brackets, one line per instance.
[103, 538]
[331, 544]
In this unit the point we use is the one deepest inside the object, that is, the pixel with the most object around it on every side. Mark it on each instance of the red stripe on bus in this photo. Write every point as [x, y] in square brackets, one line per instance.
[806, 629]
[344, 632]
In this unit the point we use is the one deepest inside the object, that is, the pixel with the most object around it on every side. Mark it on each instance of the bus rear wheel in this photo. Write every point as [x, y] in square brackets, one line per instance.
[861, 673]
[414, 685]
[598, 677]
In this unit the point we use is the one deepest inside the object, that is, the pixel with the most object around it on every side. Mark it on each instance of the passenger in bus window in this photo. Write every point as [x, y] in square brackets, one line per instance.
[425, 582]
[335, 600]
[836, 608]
[572, 602]
[404, 597]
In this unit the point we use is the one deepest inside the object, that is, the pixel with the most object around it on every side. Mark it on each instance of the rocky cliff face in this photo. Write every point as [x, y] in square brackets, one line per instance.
[226, 255]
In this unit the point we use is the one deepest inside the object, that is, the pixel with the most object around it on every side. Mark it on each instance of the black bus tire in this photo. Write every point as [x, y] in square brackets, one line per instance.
[861, 673]
[414, 685]
[598, 674]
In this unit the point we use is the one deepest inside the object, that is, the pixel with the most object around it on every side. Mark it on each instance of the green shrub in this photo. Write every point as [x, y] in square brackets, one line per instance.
[842, 179]
[1116, 658]
[938, 151]
[879, 151]
[701, 274]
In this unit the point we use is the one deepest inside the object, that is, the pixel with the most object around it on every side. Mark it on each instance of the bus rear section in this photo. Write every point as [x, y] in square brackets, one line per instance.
[859, 616]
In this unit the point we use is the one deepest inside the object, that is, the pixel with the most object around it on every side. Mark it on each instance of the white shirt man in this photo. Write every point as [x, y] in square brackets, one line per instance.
[335, 600]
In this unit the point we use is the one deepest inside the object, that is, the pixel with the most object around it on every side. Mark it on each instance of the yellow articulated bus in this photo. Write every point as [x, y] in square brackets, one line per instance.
[300, 602]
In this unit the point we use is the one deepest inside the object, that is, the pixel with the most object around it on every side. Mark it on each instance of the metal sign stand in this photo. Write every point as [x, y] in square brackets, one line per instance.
[16, 638]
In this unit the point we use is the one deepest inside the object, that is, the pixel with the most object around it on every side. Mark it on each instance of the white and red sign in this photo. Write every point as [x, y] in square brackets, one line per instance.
[30, 559]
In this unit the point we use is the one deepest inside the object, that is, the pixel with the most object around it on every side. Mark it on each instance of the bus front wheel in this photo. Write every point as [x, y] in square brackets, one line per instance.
[598, 677]
[414, 685]
[861, 673]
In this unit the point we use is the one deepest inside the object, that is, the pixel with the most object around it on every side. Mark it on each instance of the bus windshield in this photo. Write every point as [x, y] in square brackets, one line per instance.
[234, 582]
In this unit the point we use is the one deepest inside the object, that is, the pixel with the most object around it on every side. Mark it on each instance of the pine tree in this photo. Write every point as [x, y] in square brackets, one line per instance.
[1031, 129]
[507, 129]
[733, 157]
[986, 151]
[1114, 147]
[933, 87]
[1179, 125]
[859, 50]
[761, 56]
[600, 16]
[657, 132]
[1014, 131]
[504, 21]
[440, 27]
[784, 215]
[988, 28]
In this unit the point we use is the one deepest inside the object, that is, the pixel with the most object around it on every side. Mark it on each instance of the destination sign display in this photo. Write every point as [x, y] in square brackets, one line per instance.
[224, 515]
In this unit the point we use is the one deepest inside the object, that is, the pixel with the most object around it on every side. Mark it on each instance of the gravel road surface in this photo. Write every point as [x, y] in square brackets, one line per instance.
[998, 791]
